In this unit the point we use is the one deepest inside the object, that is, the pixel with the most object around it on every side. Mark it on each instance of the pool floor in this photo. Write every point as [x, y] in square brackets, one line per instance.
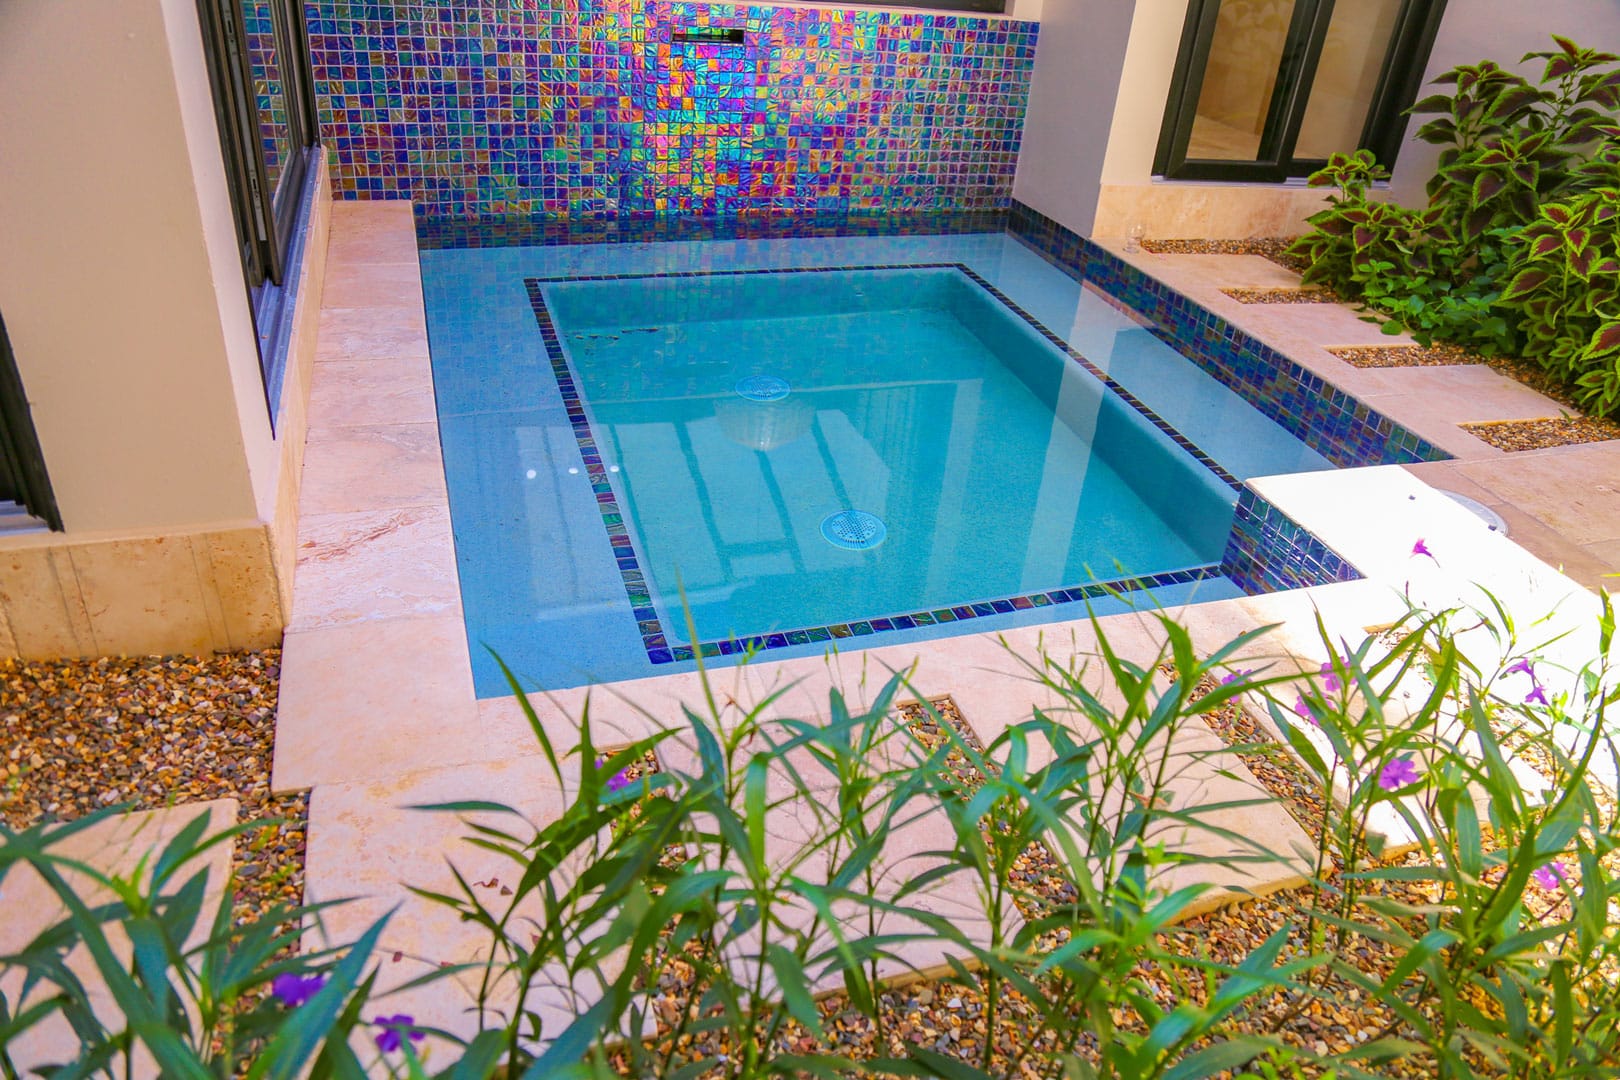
[545, 579]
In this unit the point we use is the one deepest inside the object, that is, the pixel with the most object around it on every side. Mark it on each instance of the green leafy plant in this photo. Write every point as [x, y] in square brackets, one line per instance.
[202, 997]
[1565, 290]
[723, 898]
[1456, 270]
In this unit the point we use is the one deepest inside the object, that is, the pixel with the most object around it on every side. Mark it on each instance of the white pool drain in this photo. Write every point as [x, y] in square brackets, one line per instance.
[855, 530]
[763, 388]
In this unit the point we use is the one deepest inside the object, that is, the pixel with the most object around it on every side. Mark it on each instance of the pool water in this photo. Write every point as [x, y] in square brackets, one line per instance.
[992, 464]
[804, 444]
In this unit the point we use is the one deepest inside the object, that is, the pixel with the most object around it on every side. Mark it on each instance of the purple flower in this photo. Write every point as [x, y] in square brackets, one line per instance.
[1420, 548]
[1330, 678]
[396, 1029]
[1537, 696]
[619, 780]
[1398, 773]
[1522, 666]
[1236, 674]
[1551, 876]
[1304, 710]
[292, 989]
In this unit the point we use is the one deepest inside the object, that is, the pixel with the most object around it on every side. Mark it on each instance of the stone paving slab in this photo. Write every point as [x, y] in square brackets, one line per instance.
[115, 847]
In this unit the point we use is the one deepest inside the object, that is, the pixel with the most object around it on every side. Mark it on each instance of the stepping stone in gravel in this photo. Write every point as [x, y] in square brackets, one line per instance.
[114, 846]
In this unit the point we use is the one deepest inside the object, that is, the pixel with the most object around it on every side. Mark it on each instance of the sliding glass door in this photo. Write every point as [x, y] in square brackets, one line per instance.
[1265, 90]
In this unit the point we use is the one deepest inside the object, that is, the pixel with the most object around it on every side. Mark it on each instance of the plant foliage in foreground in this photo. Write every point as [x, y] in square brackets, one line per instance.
[693, 919]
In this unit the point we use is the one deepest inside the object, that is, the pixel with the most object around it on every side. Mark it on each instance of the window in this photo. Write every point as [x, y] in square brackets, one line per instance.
[258, 56]
[1265, 90]
[23, 482]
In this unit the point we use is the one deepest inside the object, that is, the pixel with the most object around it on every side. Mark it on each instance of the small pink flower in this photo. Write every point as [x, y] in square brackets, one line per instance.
[1422, 549]
[1235, 675]
[1398, 773]
[1522, 666]
[1551, 876]
[1537, 696]
[1330, 678]
[1304, 710]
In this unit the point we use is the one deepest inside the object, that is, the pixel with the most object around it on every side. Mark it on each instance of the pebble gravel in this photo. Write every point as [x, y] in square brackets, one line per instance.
[1540, 434]
[1267, 247]
[151, 732]
[1308, 294]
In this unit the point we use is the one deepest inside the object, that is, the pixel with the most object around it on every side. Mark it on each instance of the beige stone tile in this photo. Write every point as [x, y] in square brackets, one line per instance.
[375, 285]
[377, 467]
[1333, 325]
[1584, 563]
[1217, 272]
[247, 583]
[144, 596]
[1574, 490]
[1607, 553]
[114, 846]
[371, 231]
[367, 844]
[358, 392]
[8, 642]
[375, 699]
[40, 593]
[375, 564]
[1469, 393]
[370, 333]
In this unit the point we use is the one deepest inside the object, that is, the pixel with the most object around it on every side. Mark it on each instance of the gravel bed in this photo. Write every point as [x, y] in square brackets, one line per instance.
[1387, 356]
[1540, 434]
[1308, 294]
[150, 732]
[1267, 247]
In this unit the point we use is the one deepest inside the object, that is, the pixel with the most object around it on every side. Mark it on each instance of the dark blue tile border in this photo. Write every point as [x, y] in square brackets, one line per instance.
[660, 650]
[1325, 418]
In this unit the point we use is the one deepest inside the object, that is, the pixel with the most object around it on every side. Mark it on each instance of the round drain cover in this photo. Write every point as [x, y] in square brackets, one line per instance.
[1479, 510]
[853, 529]
[763, 388]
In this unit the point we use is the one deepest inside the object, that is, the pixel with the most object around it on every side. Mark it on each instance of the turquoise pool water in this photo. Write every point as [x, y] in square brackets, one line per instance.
[742, 412]
[696, 427]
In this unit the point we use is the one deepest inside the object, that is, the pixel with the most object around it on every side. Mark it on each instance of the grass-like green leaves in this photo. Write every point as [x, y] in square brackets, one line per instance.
[726, 896]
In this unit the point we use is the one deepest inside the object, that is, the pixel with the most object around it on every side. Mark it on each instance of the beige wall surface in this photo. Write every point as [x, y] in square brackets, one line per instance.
[121, 288]
[1500, 30]
[1071, 102]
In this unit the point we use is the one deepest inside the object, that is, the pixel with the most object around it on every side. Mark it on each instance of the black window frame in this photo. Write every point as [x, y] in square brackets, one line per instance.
[1399, 79]
[266, 221]
[23, 478]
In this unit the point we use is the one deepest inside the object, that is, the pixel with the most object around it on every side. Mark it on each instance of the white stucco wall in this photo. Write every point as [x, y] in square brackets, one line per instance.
[121, 286]
[1072, 105]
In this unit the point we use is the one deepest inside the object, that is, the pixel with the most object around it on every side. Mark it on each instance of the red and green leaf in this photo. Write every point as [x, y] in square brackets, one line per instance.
[1524, 283]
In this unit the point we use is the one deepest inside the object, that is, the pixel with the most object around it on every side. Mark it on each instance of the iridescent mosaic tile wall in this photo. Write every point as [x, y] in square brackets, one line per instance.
[571, 107]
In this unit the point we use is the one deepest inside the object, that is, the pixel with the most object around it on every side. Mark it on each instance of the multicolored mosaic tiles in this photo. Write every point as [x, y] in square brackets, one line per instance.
[572, 107]
[1269, 551]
